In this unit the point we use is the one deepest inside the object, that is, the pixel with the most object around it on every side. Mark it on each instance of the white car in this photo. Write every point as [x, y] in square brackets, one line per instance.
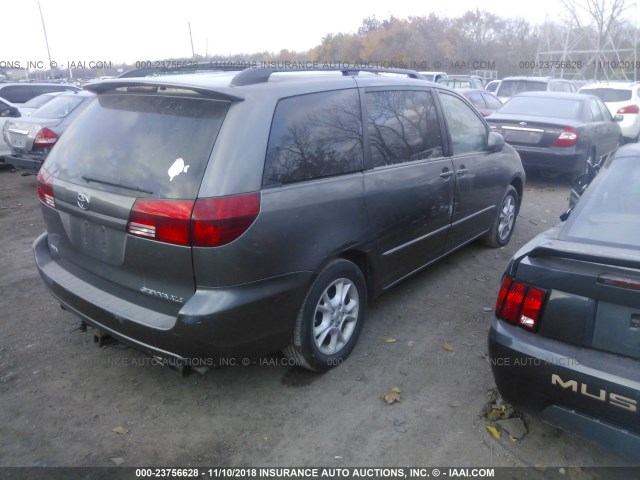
[7, 111]
[621, 98]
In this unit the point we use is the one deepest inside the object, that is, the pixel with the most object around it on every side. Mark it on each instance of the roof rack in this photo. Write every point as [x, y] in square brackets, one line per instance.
[261, 74]
[162, 68]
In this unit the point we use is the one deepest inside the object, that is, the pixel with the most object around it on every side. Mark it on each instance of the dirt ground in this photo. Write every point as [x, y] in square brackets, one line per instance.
[64, 399]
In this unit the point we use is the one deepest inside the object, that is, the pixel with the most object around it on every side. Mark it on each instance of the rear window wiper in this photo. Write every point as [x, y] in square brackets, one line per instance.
[115, 184]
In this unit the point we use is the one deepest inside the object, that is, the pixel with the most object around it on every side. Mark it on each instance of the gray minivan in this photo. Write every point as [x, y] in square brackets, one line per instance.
[213, 216]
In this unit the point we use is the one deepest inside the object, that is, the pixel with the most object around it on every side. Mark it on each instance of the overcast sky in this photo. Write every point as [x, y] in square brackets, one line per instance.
[137, 30]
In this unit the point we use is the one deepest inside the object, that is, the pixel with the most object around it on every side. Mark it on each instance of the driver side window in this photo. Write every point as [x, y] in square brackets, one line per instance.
[468, 133]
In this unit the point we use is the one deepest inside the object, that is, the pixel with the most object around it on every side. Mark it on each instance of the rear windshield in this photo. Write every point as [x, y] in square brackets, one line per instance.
[609, 94]
[543, 107]
[149, 144]
[39, 101]
[509, 88]
[59, 107]
[609, 211]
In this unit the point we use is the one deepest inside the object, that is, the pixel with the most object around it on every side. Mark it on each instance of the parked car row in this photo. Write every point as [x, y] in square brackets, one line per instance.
[285, 202]
[19, 100]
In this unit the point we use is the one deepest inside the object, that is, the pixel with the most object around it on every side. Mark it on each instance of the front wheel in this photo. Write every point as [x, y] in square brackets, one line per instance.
[505, 220]
[331, 317]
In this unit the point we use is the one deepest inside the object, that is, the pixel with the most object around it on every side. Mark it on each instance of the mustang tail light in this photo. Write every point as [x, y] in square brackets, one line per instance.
[520, 304]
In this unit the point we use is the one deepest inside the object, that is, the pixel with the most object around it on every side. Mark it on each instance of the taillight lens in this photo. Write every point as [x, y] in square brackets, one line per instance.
[163, 220]
[568, 138]
[45, 138]
[206, 222]
[45, 188]
[218, 221]
[629, 109]
[520, 304]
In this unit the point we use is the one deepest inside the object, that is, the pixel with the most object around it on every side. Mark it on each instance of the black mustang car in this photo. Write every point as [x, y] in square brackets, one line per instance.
[565, 342]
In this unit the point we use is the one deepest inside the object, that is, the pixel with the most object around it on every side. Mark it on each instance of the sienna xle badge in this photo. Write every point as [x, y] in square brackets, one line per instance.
[229, 214]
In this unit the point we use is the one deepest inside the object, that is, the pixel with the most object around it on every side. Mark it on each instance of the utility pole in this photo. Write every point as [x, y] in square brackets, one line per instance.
[46, 40]
[193, 53]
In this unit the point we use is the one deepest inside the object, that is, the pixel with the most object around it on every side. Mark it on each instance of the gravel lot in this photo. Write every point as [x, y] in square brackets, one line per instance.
[64, 400]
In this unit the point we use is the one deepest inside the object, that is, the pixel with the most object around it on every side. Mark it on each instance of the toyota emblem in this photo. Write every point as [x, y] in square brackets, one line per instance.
[83, 201]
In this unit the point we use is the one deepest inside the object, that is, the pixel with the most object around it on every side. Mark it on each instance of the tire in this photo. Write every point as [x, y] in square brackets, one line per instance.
[583, 167]
[327, 327]
[505, 221]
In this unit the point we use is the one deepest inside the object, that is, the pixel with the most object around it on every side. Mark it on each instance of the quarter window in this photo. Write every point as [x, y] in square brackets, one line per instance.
[596, 114]
[403, 126]
[313, 136]
[468, 132]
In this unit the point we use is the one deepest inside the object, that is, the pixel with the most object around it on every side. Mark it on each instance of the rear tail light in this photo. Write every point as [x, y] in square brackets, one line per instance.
[520, 304]
[45, 138]
[163, 220]
[568, 138]
[629, 109]
[206, 222]
[218, 221]
[45, 188]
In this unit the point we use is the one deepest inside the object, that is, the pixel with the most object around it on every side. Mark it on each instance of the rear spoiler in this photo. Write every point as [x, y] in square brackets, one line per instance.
[543, 251]
[217, 92]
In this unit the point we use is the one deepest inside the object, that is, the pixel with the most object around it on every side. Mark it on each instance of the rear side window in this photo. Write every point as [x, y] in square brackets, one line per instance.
[607, 94]
[24, 93]
[154, 144]
[18, 93]
[315, 135]
[403, 126]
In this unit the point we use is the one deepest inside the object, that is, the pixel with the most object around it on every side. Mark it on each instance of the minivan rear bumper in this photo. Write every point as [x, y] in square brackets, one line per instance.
[222, 324]
[590, 393]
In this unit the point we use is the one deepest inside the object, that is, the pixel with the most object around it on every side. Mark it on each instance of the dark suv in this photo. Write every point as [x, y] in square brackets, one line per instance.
[217, 215]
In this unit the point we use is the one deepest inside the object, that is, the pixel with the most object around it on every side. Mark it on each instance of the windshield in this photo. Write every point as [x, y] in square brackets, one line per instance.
[59, 107]
[39, 101]
[151, 143]
[609, 211]
[608, 94]
[509, 88]
[543, 107]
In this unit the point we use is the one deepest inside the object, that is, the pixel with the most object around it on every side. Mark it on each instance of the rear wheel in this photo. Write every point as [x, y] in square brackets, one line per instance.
[331, 317]
[505, 220]
[584, 166]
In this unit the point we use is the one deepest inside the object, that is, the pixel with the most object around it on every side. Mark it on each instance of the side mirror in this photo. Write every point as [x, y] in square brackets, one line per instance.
[10, 112]
[618, 118]
[495, 142]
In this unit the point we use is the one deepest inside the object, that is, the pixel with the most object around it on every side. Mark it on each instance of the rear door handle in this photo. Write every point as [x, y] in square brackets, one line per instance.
[462, 171]
[446, 173]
